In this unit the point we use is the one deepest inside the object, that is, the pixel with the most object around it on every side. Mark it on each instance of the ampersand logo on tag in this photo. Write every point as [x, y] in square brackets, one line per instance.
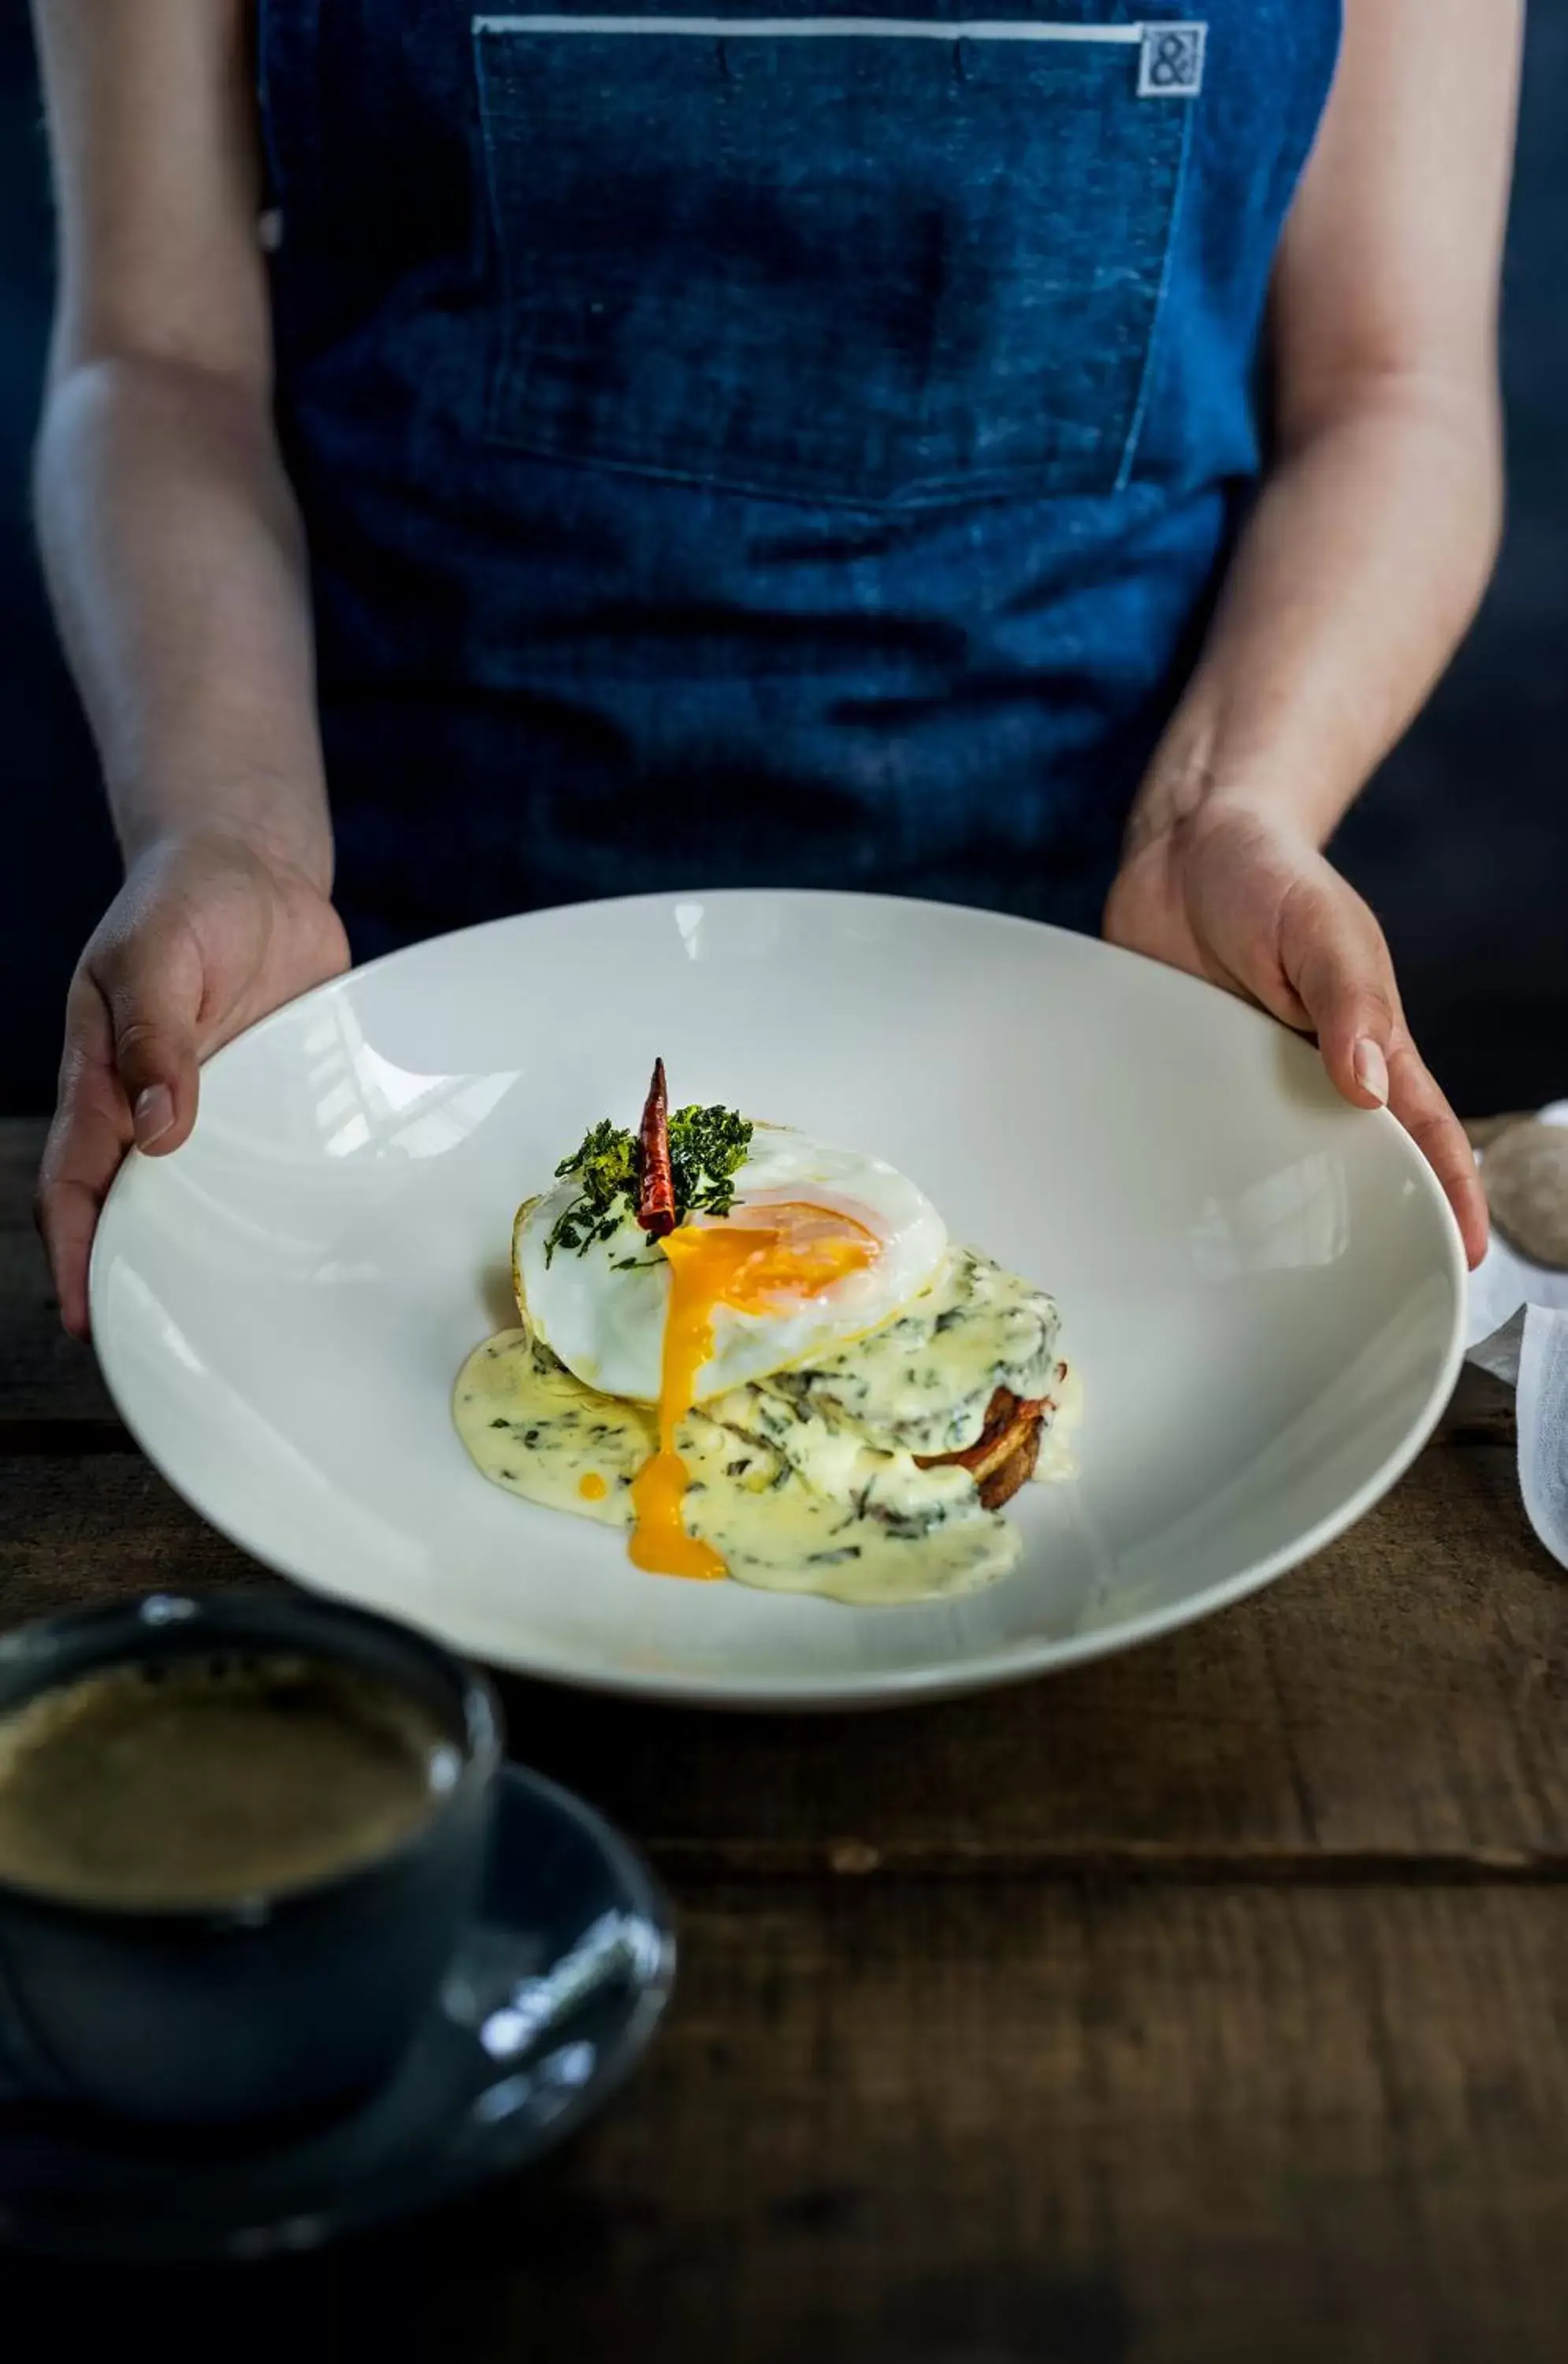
[1171, 61]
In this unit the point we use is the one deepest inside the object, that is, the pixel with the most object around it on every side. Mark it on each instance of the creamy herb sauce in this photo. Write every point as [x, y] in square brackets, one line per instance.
[531, 1426]
[785, 1482]
[925, 1380]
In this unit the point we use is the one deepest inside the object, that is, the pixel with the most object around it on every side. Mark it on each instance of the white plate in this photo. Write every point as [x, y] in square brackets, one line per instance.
[1262, 1287]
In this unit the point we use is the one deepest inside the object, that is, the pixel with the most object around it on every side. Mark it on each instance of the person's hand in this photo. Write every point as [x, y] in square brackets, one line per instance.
[1246, 901]
[206, 935]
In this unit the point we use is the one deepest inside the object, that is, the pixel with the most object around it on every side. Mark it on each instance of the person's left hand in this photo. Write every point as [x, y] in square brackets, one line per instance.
[1250, 903]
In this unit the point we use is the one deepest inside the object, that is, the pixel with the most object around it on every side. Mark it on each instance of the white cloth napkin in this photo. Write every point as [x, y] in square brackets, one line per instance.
[1518, 1329]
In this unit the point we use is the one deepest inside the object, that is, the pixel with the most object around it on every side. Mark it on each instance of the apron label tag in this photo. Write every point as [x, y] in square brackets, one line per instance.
[1171, 65]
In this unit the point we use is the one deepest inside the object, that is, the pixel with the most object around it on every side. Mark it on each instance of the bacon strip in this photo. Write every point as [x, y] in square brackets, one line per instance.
[656, 1184]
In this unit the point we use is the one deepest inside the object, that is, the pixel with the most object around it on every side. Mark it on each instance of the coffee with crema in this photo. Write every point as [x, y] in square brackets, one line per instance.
[201, 1781]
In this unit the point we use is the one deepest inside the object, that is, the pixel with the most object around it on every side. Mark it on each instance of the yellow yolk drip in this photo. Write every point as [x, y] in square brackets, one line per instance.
[592, 1487]
[758, 1258]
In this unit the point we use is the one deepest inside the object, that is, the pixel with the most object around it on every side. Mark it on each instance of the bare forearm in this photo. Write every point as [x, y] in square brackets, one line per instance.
[1357, 575]
[175, 560]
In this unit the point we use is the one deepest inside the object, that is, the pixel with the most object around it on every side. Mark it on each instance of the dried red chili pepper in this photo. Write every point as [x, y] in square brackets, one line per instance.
[656, 1184]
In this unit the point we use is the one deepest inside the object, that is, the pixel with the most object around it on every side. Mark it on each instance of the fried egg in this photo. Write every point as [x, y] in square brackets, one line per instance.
[789, 1378]
[821, 1245]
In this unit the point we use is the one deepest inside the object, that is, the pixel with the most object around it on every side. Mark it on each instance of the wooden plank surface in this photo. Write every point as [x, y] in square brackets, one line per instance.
[1050, 2120]
[943, 2123]
[1399, 1702]
[43, 1375]
[1201, 2006]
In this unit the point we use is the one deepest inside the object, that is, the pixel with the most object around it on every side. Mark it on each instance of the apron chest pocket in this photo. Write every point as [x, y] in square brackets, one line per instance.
[854, 261]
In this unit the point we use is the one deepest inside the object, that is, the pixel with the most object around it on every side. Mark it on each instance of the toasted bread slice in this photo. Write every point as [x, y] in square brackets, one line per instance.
[1004, 1454]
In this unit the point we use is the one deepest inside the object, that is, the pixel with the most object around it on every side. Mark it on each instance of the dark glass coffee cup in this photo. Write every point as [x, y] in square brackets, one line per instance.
[282, 2004]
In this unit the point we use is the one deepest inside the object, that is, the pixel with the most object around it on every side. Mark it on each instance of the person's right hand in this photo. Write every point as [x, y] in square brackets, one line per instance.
[205, 936]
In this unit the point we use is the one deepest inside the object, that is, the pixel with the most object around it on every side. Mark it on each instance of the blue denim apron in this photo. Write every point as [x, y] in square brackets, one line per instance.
[743, 449]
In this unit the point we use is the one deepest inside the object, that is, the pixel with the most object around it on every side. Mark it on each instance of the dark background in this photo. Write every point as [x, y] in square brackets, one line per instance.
[1462, 843]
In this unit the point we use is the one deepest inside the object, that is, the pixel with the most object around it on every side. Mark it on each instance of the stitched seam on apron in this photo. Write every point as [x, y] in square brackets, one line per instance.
[1151, 351]
[815, 29]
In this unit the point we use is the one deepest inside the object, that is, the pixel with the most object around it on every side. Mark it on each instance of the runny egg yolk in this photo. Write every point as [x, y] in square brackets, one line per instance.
[760, 1258]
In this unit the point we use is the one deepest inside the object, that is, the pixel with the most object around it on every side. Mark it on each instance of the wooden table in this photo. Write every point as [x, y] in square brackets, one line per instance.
[1208, 2005]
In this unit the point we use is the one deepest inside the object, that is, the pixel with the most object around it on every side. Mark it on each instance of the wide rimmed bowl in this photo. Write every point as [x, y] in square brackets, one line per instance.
[1263, 1288]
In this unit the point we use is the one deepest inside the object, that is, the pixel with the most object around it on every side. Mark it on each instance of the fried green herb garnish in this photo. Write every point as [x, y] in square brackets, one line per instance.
[604, 1168]
[708, 1147]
